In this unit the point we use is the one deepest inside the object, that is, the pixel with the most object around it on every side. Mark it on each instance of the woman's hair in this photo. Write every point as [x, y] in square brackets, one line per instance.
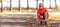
[40, 4]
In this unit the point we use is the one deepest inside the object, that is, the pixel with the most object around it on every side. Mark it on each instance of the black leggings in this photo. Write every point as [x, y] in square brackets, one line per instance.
[44, 22]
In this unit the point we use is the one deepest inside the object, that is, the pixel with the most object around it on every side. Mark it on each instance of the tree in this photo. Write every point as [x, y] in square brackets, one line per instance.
[50, 4]
[55, 4]
[10, 6]
[43, 1]
[27, 4]
[19, 5]
[1, 5]
[36, 4]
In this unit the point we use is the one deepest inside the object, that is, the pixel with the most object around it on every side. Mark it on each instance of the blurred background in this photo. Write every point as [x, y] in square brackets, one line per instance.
[13, 12]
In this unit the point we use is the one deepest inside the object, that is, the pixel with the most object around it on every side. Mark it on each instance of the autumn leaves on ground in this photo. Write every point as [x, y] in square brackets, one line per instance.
[52, 15]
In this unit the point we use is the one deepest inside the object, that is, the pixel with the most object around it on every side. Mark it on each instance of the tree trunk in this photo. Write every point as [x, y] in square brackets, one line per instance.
[27, 4]
[10, 6]
[36, 4]
[43, 2]
[19, 6]
[1, 6]
[50, 4]
[55, 4]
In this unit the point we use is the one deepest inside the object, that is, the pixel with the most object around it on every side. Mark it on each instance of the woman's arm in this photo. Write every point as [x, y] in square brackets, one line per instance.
[46, 15]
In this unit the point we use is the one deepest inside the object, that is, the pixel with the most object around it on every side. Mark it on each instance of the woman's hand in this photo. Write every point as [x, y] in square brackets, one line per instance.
[41, 16]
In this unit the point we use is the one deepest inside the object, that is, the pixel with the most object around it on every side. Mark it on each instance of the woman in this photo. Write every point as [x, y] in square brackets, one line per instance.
[42, 14]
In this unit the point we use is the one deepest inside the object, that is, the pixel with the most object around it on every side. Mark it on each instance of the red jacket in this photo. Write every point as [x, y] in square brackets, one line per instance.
[40, 12]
